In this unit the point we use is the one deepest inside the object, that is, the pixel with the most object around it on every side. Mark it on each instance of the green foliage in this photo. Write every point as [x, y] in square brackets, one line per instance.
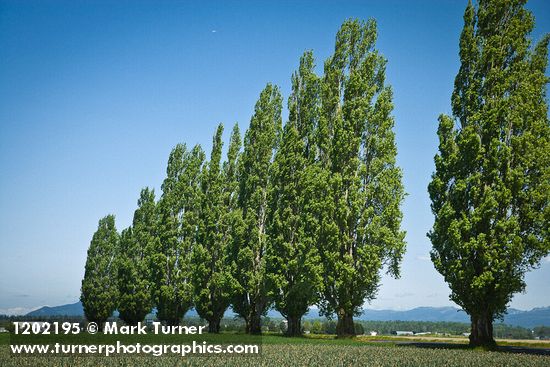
[98, 292]
[310, 214]
[359, 185]
[212, 278]
[248, 253]
[293, 263]
[491, 187]
[179, 209]
[133, 263]
[542, 332]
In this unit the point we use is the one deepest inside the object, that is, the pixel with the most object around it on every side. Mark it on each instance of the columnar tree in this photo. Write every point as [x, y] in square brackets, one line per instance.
[136, 245]
[99, 292]
[491, 188]
[178, 222]
[361, 217]
[249, 268]
[293, 263]
[212, 279]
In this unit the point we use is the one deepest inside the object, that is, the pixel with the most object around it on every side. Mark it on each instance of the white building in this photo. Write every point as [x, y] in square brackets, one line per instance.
[404, 333]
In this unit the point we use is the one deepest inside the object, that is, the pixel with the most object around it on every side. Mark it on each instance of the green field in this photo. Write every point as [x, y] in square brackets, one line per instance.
[281, 351]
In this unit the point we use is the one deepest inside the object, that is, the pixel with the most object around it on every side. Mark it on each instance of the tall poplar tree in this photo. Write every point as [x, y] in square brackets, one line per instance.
[212, 278]
[293, 262]
[99, 292]
[491, 188]
[361, 217]
[136, 245]
[249, 267]
[179, 209]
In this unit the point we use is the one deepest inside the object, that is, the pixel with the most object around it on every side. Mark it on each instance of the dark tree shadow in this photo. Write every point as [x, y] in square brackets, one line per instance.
[502, 348]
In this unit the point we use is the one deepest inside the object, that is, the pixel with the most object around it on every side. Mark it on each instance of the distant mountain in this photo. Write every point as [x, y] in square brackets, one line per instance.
[73, 309]
[416, 314]
[450, 314]
[76, 309]
[529, 319]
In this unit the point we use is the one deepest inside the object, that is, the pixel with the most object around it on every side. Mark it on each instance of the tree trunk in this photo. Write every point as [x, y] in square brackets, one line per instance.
[482, 331]
[214, 325]
[255, 325]
[172, 322]
[294, 326]
[133, 322]
[100, 324]
[345, 326]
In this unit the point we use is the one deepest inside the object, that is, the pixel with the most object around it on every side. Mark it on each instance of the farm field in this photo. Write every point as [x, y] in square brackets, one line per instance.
[281, 351]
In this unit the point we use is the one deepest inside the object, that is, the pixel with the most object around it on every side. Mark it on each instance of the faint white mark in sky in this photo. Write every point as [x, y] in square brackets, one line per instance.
[404, 294]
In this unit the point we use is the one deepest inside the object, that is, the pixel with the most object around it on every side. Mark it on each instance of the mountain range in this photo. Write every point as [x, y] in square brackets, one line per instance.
[529, 319]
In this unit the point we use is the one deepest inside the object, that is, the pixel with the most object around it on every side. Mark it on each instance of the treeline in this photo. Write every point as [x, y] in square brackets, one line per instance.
[297, 215]
[309, 213]
[324, 326]
[433, 327]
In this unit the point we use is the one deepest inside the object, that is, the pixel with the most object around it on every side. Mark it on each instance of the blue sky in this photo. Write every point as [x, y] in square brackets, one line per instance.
[94, 94]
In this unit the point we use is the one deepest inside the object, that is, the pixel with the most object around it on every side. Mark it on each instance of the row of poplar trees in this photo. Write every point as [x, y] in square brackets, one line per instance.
[309, 214]
[301, 215]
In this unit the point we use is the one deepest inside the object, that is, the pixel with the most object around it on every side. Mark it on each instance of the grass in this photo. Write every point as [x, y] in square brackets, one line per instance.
[277, 350]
